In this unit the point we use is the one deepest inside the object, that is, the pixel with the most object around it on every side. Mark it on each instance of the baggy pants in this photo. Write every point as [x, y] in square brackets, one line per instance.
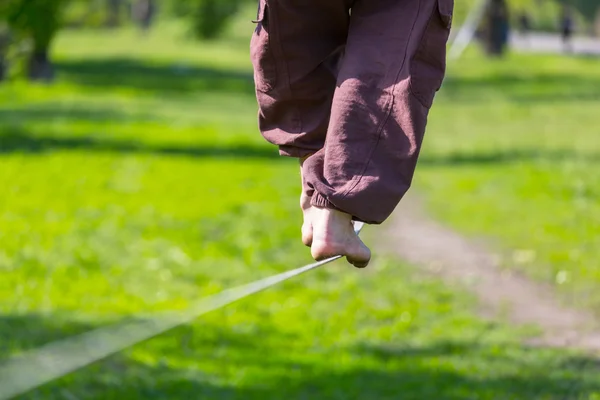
[350, 83]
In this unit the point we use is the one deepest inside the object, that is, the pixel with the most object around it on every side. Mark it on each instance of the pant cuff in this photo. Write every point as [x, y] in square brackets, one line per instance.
[318, 200]
[291, 151]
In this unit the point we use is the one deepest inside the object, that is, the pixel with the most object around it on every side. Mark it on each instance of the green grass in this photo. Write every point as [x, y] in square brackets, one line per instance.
[134, 185]
[513, 154]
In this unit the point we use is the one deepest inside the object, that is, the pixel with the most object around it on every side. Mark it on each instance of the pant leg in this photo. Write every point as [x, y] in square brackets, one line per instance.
[294, 51]
[393, 65]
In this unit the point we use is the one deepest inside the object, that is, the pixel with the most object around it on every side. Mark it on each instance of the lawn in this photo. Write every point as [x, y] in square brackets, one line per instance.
[138, 183]
[515, 146]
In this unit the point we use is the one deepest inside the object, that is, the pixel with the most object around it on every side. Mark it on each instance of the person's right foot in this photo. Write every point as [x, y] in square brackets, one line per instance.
[333, 235]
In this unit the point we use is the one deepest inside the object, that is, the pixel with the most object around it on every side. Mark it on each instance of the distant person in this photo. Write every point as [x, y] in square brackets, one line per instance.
[524, 26]
[346, 87]
[524, 23]
[566, 28]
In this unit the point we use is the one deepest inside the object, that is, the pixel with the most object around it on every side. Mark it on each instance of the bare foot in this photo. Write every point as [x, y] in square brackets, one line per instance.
[307, 228]
[334, 235]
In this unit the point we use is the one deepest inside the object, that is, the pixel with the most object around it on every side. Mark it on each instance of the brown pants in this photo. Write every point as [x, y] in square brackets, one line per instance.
[351, 81]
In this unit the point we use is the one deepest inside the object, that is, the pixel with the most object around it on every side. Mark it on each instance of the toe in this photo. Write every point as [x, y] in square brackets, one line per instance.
[358, 262]
[307, 235]
[361, 257]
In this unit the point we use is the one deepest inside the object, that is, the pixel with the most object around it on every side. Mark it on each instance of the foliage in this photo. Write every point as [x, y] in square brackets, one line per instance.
[38, 20]
[587, 8]
[544, 14]
[208, 18]
[86, 13]
[31, 25]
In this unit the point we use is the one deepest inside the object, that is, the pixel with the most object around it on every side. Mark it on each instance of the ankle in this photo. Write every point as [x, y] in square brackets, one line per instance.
[328, 222]
[335, 215]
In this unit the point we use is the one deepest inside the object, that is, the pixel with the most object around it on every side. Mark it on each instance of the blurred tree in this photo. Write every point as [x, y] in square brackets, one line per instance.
[4, 43]
[94, 14]
[590, 9]
[4, 39]
[208, 17]
[113, 13]
[588, 12]
[143, 13]
[495, 28]
[543, 13]
[37, 22]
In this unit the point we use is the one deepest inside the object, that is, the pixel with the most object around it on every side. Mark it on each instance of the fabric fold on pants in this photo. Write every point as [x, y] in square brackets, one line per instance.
[352, 83]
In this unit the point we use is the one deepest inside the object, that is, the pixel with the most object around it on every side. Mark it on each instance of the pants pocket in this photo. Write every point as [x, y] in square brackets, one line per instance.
[428, 65]
[261, 53]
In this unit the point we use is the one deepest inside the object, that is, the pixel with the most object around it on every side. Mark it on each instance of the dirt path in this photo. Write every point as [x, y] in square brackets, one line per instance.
[414, 237]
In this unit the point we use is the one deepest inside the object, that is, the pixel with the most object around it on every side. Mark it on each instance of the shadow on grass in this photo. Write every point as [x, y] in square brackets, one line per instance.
[210, 362]
[17, 140]
[516, 376]
[140, 75]
[51, 112]
[539, 88]
[31, 331]
[506, 157]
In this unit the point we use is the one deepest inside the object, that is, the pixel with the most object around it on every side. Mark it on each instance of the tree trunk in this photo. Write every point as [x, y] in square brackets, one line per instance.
[143, 13]
[4, 43]
[495, 31]
[113, 18]
[39, 67]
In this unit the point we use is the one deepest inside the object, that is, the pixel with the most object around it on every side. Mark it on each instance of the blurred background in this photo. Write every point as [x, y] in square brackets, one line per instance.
[133, 180]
